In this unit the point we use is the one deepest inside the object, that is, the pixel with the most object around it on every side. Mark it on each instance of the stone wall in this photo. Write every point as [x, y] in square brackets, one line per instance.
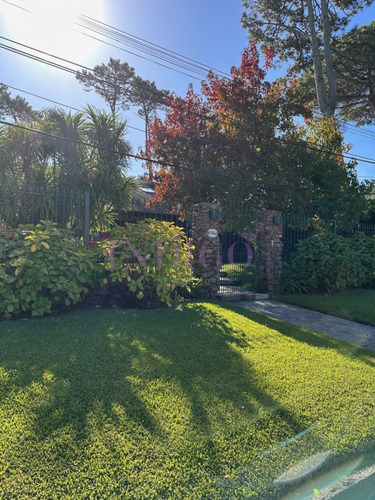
[206, 252]
[269, 265]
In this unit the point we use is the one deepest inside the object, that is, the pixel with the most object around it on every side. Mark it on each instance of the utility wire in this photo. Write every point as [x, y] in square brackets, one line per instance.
[166, 164]
[59, 66]
[65, 68]
[147, 47]
[51, 63]
[142, 57]
[56, 102]
[15, 5]
[97, 26]
[41, 97]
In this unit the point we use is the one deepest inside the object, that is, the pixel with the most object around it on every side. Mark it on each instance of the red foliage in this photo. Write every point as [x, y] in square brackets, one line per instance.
[225, 132]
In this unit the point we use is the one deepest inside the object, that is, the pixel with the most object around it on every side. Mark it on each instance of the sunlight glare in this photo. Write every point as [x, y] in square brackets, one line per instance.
[51, 26]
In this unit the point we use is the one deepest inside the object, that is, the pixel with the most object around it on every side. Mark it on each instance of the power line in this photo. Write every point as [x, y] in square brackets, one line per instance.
[45, 53]
[357, 157]
[41, 97]
[83, 143]
[54, 64]
[144, 46]
[147, 47]
[65, 68]
[363, 159]
[15, 5]
[56, 102]
[142, 57]
[166, 164]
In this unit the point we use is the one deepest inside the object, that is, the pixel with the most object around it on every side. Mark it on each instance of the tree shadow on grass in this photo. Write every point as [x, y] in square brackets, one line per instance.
[88, 364]
[307, 336]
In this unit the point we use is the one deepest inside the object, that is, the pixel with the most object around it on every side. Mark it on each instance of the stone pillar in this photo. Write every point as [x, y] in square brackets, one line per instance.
[269, 265]
[206, 252]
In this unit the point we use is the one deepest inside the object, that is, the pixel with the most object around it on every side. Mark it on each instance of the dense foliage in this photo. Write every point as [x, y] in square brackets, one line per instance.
[354, 63]
[238, 141]
[46, 161]
[42, 267]
[151, 259]
[303, 32]
[330, 263]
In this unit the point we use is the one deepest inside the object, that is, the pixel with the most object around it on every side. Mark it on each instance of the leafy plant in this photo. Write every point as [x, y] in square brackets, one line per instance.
[324, 264]
[364, 246]
[41, 268]
[152, 259]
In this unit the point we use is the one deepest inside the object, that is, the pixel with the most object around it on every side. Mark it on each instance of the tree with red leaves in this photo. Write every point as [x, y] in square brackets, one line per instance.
[236, 141]
[217, 145]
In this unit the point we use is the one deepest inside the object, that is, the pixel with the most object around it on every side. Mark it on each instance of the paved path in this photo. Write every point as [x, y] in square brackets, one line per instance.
[343, 329]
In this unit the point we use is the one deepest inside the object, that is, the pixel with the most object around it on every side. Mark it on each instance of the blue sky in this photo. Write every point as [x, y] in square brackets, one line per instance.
[208, 31]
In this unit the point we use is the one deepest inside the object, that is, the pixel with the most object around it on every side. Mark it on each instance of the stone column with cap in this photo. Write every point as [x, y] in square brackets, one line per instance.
[206, 252]
[269, 264]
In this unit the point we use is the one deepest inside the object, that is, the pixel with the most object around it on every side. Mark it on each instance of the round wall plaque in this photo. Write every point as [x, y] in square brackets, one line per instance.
[212, 233]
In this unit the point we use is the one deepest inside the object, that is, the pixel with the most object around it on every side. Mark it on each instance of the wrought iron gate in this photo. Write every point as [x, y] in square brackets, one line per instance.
[239, 248]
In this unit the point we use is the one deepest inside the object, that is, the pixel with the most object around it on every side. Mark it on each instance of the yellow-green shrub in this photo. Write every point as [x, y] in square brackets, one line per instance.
[42, 267]
[151, 258]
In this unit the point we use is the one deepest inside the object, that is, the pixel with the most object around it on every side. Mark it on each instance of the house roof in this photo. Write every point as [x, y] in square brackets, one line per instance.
[142, 197]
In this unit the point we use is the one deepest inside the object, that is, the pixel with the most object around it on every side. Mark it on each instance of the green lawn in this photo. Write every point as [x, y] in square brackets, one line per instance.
[245, 275]
[355, 305]
[198, 403]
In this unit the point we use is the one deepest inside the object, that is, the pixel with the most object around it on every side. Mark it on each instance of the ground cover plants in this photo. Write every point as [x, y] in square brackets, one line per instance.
[43, 267]
[204, 401]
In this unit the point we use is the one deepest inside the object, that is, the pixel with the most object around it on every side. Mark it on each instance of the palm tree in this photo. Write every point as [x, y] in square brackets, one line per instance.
[108, 161]
[67, 151]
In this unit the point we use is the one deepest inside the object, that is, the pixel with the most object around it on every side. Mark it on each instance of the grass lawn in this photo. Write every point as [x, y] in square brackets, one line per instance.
[355, 305]
[244, 274]
[211, 402]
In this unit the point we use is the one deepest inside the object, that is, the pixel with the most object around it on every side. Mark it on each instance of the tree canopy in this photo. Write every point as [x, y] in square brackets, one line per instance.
[302, 31]
[63, 152]
[112, 81]
[119, 86]
[16, 108]
[238, 140]
[354, 63]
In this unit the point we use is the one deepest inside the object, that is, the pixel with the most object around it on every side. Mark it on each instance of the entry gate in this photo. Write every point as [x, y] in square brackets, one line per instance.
[239, 248]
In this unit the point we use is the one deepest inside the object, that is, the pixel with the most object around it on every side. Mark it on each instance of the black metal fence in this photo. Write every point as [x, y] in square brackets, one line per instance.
[80, 211]
[296, 229]
[65, 207]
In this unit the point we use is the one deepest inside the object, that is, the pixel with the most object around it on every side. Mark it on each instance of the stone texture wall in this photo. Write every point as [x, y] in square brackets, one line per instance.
[269, 265]
[206, 254]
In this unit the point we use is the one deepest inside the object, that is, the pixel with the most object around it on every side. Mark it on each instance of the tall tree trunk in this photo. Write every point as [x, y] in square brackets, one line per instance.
[146, 128]
[318, 70]
[332, 93]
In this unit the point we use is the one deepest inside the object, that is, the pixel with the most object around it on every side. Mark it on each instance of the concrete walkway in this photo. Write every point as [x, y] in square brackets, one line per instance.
[339, 328]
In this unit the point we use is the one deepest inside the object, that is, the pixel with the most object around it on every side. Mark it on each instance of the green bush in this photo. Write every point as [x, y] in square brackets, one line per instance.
[364, 247]
[324, 264]
[151, 258]
[42, 267]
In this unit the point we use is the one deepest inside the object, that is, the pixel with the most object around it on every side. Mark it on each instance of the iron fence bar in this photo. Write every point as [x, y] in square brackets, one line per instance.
[86, 231]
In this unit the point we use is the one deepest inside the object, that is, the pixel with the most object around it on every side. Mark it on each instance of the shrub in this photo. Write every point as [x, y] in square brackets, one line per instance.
[323, 264]
[364, 246]
[151, 258]
[41, 268]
